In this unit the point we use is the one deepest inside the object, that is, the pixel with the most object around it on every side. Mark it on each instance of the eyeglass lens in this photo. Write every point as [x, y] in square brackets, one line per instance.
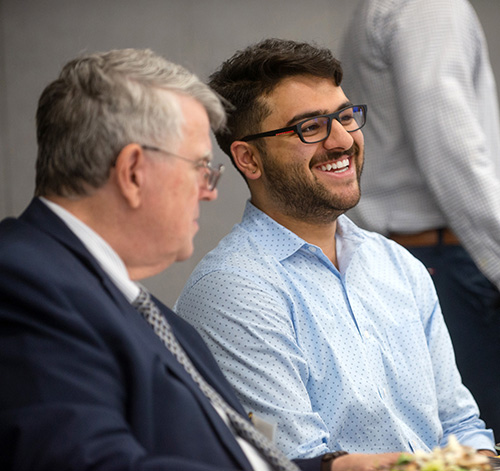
[317, 129]
[212, 176]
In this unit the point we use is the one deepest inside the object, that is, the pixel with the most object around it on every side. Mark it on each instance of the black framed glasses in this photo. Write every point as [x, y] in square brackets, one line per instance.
[318, 128]
[210, 174]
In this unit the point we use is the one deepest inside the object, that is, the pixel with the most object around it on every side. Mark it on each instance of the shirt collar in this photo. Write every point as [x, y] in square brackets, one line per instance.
[283, 243]
[280, 241]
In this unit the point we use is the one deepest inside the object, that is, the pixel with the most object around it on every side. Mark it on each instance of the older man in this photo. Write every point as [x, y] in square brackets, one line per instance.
[330, 332]
[96, 375]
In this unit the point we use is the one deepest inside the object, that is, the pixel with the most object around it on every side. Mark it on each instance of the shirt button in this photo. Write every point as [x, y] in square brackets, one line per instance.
[367, 334]
[312, 249]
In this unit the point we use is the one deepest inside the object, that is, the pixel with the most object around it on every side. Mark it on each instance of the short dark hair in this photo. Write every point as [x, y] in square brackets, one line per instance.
[255, 71]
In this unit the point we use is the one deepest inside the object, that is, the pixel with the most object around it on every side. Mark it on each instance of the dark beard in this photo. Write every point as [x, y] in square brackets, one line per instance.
[302, 199]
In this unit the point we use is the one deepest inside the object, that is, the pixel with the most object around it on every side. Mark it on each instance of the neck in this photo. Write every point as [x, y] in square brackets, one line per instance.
[101, 213]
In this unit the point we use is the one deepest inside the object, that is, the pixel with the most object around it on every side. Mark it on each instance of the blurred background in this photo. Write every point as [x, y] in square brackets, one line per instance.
[37, 37]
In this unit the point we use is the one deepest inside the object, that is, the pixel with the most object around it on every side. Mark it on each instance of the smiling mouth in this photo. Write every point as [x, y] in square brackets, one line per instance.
[336, 167]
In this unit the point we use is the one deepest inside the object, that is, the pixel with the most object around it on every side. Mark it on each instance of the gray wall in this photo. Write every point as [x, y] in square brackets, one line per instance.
[37, 37]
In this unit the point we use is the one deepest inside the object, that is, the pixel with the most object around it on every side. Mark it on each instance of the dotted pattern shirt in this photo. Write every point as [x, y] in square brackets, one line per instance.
[432, 140]
[357, 359]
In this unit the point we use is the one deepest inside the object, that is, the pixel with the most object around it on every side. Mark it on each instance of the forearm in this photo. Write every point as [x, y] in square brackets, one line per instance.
[364, 462]
[487, 452]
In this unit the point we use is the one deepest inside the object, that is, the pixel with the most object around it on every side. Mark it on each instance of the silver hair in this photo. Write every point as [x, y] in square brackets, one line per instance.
[100, 103]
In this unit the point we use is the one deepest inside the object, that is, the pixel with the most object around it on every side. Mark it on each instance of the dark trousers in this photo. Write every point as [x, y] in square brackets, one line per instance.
[471, 308]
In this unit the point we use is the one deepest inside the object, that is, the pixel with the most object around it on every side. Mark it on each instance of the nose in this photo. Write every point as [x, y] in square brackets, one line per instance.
[338, 137]
[208, 195]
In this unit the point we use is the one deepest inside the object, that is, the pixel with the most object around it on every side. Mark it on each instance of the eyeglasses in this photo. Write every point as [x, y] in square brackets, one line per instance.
[211, 175]
[318, 128]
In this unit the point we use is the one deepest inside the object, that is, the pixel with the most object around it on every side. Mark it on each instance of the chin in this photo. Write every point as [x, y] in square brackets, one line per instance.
[184, 254]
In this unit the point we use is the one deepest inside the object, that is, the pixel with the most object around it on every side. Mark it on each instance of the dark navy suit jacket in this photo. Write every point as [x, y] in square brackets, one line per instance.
[86, 384]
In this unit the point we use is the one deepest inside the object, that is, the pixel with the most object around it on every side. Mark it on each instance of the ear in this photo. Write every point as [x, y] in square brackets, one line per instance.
[130, 174]
[246, 159]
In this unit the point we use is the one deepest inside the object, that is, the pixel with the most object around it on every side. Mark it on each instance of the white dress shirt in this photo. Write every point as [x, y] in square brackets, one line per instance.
[432, 139]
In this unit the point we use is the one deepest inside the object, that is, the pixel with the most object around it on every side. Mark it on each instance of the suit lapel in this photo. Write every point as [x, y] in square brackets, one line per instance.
[199, 359]
[204, 362]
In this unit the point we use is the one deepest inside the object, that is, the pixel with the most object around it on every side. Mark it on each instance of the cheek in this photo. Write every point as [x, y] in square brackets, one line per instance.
[359, 139]
[290, 153]
[183, 189]
[175, 201]
[185, 202]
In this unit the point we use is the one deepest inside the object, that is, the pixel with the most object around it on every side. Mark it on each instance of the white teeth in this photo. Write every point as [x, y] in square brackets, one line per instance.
[341, 165]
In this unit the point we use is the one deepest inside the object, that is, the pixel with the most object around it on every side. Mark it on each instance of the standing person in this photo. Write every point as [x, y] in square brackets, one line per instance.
[432, 180]
[124, 159]
[332, 333]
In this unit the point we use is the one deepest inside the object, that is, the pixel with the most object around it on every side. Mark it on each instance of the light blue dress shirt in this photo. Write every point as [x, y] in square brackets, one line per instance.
[356, 359]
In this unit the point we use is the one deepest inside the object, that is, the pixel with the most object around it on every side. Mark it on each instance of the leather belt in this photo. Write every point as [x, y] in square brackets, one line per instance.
[426, 239]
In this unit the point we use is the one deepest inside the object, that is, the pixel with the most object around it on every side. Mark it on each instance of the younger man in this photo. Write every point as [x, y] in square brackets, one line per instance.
[332, 333]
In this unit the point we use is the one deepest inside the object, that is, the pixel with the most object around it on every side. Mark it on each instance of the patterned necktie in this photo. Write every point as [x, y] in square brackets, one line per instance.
[243, 427]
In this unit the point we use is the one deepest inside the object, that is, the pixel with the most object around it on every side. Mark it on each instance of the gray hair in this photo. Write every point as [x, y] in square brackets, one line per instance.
[100, 103]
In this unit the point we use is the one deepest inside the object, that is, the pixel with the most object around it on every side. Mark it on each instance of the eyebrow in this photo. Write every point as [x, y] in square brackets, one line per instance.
[312, 114]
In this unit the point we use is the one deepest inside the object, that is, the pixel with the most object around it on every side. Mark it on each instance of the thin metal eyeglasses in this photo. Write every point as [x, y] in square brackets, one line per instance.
[318, 128]
[211, 174]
